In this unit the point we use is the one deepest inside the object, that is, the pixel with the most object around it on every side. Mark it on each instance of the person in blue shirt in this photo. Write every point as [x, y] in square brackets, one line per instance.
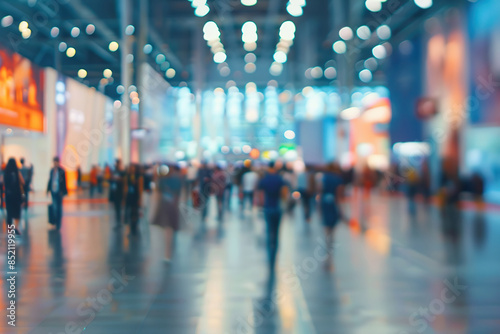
[331, 192]
[274, 188]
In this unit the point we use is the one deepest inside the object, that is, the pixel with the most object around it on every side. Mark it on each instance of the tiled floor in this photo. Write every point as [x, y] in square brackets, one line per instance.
[387, 274]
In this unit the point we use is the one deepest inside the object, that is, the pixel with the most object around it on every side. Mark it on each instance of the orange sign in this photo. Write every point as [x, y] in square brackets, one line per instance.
[21, 92]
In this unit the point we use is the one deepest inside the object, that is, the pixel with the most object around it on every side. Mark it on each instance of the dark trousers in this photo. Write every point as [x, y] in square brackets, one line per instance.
[117, 202]
[273, 219]
[204, 200]
[132, 216]
[247, 197]
[57, 202]
[220, 207]
[92, 189]
[411, 193]
[306, 202]
[1, 196]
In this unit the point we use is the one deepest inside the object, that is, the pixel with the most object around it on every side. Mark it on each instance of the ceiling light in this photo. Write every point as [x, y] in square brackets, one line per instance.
[276, 69]
[75, 32]
[250, 46]
[330, 73]
[26, 33]
[250, 68]
[249, 38]
[364, 32]
[82, 73]
[249, 27]
[289, 134]
[225, 71]
[54, 32]
[379, 52]
[90, 29]
[350, 113]
[371, 64]
[148, 48]
[316, 72]
[170, 73]
[384, 32]
[129, 30]
[373, 5]
[250, 58]
[113, 46]
[339, 47]
[160, 58]
[7, 21]
[107, 73]
[424, 4]
[23, 26]
[346, 33]
[280, 57]
[220, 57]
[62, 46]
[365, 75]
[248, 2]
[70, 52]
[294, 10]
[202, 11]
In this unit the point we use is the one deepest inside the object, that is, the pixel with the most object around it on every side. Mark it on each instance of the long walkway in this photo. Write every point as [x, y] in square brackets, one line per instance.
[387, 273]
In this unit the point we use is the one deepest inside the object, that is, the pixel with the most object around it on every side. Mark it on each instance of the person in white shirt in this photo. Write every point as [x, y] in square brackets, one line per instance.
[249, 184]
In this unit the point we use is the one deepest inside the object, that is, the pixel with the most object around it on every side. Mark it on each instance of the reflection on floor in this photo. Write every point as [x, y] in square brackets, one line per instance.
[387, 273]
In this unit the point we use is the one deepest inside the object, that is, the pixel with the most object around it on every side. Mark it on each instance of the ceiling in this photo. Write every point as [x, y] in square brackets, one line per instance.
[174, 30]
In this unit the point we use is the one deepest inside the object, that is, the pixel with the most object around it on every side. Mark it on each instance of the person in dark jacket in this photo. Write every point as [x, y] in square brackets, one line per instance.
[134, 186]
[57, 188]
[332, 186]
[116, 191]
[14, 192]
[27, 173]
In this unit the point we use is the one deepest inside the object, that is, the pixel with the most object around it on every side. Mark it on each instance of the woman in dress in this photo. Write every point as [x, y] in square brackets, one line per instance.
[14, 193]
[169, 185]
[331, 192]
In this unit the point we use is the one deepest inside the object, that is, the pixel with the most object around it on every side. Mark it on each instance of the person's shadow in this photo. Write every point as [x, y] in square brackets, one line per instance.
[57, 263]
[266, 310]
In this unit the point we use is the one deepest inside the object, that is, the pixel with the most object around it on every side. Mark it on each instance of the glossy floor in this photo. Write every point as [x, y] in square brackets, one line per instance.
[388, 273]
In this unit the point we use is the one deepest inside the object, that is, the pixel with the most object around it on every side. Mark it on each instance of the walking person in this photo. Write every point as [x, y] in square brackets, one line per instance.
[93, 180]
[79, 177]
[57, 188]
[305, 185]
[275, 190]
[116, 191]
[1, 189]
[412, 183]
[27, 173]
[331, 192]
[219, 179]
[134, 186]
[169, 186]
[249, 183]
[205, 189]
[14, 193]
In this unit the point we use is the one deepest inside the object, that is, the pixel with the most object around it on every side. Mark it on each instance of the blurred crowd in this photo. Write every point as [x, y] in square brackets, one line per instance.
[275, 187]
